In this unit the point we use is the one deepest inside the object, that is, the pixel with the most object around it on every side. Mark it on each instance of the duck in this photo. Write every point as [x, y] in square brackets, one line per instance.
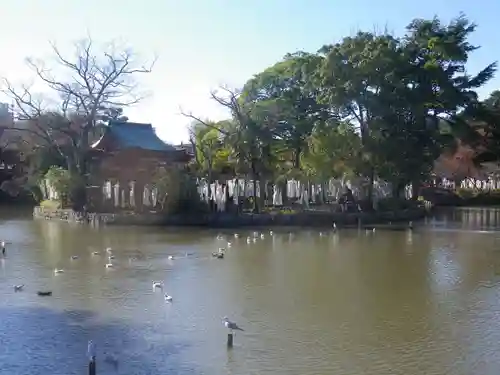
[219, 254]
[44, 293]
[18, 288]
[56, 271]
[168, 298]
[74, 257]
[158, 284]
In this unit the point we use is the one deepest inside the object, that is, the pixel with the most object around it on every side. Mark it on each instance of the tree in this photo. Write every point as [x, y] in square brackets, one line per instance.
[350, 77]
[334, 151]
[429, 85]
[93, 86]
[250, 141]
[287, 102]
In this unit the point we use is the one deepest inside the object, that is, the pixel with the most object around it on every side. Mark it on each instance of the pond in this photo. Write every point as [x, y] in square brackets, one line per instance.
[311, 303]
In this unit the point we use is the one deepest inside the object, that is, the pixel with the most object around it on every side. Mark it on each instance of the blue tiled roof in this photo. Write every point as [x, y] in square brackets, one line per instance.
[135, 135]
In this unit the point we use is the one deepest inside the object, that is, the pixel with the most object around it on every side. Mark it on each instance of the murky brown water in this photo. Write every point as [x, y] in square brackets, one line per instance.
[391, 302]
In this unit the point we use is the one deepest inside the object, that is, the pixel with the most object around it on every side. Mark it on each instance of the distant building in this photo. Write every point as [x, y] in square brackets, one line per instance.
[124, 161]
[187, 147]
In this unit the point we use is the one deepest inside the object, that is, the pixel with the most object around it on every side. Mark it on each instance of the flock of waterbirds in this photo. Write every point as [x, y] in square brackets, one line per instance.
[160, 285]
[219, 254]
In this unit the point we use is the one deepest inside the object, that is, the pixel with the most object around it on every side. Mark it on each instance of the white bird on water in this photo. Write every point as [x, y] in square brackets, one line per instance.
[109, 265]
[232, 326]
[157, 284]
[56, 271]
[109, 250]
[168, 298]
[91, 352]
[170, 257]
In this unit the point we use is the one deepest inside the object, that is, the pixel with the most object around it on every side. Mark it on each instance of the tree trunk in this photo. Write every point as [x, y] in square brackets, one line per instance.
[371, 181]
[296, 161]
[415, 188]
[254, 180]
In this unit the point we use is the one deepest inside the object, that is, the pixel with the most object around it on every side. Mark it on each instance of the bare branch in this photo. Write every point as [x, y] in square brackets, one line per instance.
[197, 119]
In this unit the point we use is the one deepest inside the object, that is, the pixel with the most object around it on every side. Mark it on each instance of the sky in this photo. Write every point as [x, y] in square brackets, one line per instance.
[203, 44]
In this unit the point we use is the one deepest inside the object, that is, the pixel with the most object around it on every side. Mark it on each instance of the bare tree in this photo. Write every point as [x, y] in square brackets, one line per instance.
[248, 139]
[87, 86]
[90, 84]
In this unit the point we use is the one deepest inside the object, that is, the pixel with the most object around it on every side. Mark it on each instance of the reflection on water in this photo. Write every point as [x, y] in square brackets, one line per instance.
[356, 302]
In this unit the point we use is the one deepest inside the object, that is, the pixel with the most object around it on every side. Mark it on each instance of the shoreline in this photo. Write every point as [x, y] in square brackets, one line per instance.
[317, 219]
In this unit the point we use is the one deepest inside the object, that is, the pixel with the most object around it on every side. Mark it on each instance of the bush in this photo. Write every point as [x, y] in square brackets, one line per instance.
[177, 192]
[69, 187]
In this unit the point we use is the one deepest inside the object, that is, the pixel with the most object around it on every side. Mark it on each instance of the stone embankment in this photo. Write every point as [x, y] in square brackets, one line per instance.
[227, 220]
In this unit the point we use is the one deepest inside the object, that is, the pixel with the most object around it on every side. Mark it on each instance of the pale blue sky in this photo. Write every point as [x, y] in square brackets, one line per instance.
[203, 44]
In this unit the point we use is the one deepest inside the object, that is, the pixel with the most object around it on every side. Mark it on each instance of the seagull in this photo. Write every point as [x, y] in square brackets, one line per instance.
[168, 298]
[58, 271]
[91, 350]
[18, 288]
[111, 257]
[254, 239]
[109, 250]
[109, 265]
[262, 236]
[249, 240]
[73, 257]
[229, 244]
[236, 235]
[157, 284]
[231, 325]
[170, 257]
[270, 232]
[95, 253]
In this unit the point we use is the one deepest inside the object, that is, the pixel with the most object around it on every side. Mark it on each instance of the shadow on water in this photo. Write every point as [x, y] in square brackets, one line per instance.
[38, 340]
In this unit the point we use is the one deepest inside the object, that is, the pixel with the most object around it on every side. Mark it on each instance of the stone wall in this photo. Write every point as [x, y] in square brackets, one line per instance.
[228, 220]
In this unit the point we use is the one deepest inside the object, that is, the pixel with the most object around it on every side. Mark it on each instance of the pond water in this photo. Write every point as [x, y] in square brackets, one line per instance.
[311, 303]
